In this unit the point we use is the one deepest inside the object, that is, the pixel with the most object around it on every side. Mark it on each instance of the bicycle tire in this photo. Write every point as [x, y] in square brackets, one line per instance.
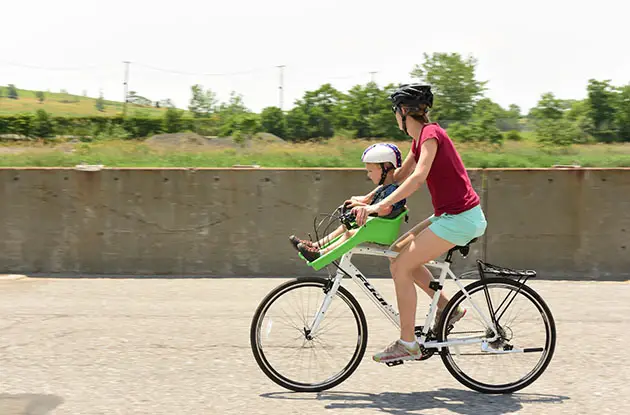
[521, 383]
[274, 375]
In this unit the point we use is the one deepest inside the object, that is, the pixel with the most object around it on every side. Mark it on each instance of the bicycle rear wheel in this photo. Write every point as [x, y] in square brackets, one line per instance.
[286, 351]
[526, 343]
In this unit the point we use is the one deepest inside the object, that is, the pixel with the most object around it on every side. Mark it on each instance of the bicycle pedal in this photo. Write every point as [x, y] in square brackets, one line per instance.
[394, 363]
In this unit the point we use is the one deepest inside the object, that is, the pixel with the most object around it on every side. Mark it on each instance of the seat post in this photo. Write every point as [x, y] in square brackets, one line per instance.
[449, 255]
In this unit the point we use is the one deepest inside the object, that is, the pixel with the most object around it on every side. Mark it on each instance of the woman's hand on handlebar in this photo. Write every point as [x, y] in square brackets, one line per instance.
[362, 212]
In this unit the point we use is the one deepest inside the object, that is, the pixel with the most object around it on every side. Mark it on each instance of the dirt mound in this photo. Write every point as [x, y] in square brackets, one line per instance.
[268, 138]
[221, 142]
[178, 139]
[192, 140]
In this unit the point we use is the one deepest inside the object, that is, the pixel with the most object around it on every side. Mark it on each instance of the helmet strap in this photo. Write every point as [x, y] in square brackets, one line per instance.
[404, 123]
[384, 172]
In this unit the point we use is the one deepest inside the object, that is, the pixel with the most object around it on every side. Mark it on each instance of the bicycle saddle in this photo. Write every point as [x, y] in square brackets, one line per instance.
[463, 249]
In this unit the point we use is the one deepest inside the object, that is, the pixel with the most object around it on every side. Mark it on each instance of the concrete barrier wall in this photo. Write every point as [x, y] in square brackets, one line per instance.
[568, 223]
[235, 222]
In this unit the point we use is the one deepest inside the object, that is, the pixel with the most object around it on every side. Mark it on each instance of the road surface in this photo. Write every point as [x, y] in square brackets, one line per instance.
[181, 346]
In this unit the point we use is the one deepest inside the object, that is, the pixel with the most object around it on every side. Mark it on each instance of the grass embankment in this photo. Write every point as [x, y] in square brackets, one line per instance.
[60, 104]
[336, 152]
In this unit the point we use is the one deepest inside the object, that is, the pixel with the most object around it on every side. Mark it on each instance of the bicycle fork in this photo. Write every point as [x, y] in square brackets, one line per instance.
[330, 291]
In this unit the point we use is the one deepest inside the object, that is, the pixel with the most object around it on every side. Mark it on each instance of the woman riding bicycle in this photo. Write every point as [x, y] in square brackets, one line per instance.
[457, 219]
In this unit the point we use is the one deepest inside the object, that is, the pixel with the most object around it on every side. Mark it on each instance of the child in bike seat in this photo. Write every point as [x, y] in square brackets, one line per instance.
[380, 162]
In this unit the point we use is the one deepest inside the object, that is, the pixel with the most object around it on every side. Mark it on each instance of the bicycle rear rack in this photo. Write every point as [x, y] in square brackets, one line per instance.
[487, 268]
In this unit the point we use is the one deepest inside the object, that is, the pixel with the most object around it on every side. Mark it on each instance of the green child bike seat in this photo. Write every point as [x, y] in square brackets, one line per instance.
[376, 230]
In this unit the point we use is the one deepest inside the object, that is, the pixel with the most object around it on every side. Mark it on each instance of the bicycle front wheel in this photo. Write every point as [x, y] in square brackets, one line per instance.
[296, 359]
[520, 352]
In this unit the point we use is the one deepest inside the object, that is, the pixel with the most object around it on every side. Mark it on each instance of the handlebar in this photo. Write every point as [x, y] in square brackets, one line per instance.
[347, 217]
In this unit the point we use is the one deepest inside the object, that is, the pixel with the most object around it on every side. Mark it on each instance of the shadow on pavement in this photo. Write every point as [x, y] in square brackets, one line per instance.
[453, 400]
[28, 404]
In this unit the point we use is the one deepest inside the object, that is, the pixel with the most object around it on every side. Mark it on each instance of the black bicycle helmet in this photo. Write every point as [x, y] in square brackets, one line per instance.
[412, 96]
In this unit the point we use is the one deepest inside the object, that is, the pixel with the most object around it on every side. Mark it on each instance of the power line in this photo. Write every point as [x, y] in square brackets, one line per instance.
[47, 68]
[250, 71]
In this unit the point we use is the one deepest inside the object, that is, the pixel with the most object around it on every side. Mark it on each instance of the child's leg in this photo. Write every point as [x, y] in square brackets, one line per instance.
[326, 239]
[347, 235]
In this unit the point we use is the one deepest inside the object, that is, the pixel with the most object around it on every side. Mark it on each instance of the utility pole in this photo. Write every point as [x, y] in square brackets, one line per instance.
[126, 84]
[281, 86]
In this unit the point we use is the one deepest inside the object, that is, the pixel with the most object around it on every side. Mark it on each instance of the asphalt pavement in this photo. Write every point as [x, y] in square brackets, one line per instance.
[181, 346]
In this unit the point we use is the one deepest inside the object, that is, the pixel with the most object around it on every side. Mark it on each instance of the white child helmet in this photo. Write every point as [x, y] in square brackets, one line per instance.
[382, 153]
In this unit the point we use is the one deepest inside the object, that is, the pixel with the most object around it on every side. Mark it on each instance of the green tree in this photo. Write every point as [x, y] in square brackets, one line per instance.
[229, 115]
[483, 125]
[40, 96]
[601, 98]
[486, 118]
[558, 133]
[460, 132]
[514, 110]
[453, 82]
[297, 124]
[100, 103]
[12, 92]
[511, 118]
[548, 108]
[273, 121]
[356, 110]
[551, 122]
[234, 106]
[172, 120]
[321, 107]
[203, 103]
[623, 113]
[246, 124]
[42, 124]
[579, 114]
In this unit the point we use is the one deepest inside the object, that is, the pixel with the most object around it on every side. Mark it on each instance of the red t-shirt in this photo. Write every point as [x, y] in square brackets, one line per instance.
[448, 181]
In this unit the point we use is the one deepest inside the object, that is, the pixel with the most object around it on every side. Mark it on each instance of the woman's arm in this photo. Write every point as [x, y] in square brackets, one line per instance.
[418, 177]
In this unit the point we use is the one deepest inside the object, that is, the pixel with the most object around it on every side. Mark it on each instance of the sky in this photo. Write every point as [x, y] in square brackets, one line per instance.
[523, 48]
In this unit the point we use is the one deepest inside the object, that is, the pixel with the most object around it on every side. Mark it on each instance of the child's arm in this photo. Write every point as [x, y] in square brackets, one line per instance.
[364, 200]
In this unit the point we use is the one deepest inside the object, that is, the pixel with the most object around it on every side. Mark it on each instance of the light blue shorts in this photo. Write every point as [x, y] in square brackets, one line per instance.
[459, 229]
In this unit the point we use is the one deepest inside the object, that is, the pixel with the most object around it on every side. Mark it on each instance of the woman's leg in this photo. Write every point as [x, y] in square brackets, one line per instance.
[425, 247]
[421, 275]
[408, 268]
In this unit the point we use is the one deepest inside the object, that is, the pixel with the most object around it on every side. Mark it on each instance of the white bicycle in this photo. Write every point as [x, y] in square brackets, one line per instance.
[310, 334]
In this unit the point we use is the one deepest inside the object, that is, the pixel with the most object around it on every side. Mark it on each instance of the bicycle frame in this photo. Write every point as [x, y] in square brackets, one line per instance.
[346, 268]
